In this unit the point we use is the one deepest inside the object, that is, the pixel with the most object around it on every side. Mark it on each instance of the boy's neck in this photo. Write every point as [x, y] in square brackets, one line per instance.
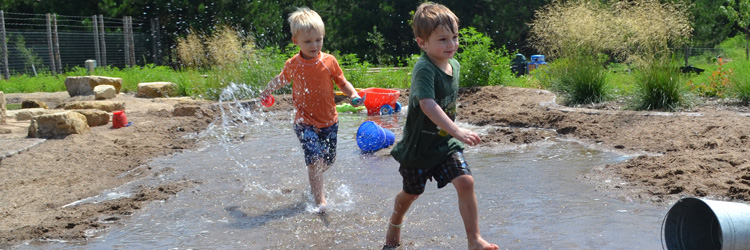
[443, 65]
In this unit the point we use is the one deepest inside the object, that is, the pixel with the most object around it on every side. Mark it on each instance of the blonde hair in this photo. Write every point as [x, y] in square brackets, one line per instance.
[305, 19]
[429, 16]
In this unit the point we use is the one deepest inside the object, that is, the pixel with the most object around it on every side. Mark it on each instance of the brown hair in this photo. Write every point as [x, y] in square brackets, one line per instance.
[429, 16]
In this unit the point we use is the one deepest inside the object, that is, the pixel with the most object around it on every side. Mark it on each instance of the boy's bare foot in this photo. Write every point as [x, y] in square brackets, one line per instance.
[393, 236]
[321, 209]
[483, 245]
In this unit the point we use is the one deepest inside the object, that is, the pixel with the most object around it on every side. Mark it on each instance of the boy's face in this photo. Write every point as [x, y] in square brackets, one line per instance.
[310, 43]
[442, 44]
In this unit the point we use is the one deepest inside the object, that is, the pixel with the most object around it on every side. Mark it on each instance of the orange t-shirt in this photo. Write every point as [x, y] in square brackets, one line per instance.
[312, 88]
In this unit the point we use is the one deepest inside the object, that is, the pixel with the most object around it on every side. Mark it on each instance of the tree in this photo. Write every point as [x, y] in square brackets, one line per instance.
[711, 25]
[739, 13]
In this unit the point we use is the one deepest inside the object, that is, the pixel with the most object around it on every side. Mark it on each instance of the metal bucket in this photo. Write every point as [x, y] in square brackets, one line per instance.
[694, 223]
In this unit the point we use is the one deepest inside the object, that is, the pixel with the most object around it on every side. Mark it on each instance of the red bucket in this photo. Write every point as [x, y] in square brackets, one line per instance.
[119, 119]
[377, 97]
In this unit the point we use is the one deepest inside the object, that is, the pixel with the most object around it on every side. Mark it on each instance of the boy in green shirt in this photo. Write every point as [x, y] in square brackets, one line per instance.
[432, 144]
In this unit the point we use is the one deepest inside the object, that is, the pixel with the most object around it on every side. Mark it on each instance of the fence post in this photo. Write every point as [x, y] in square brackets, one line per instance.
[3, 41]
[104, 45]
[125, 40]
[57, 45]
[131, 41]
[155, 40]
[51, 48]
[96, 39]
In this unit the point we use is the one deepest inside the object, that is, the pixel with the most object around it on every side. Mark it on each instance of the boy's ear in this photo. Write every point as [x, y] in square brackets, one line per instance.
[294, 40]
[420, 42]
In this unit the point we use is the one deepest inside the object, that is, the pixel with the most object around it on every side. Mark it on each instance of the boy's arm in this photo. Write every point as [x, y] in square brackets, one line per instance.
[349, 90]
[436, 115]
[275, 84]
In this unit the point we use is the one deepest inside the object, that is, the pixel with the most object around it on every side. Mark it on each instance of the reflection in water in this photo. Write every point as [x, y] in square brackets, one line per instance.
[254, 194]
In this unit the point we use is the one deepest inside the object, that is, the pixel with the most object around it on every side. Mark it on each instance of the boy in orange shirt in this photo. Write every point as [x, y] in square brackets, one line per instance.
[312, 74]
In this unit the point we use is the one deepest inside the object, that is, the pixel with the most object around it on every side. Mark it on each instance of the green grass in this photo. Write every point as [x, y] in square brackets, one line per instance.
[660, 86]
[741, 81]
[12, 106]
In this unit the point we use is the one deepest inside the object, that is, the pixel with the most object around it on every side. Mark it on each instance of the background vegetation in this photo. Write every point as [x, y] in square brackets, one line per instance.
[599, 49]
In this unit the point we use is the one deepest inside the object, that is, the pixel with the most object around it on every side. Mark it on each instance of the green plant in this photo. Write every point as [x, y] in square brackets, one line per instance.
[741, 81]
[660, 87]
[718, 82]
[480, 64]
[30, 58]
[580, 78]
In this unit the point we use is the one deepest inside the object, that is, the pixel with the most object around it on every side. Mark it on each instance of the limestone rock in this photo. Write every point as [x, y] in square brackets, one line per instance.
[30, 104]
[102, 92]
[108, 106]
[94, 117]
[157, 89]
[84, 85]
[27, 114]
[58, 124]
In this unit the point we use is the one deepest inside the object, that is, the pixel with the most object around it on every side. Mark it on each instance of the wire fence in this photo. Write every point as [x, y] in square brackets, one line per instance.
[32, 43]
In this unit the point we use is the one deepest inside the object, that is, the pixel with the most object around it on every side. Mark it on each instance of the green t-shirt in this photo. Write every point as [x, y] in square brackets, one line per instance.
[424, 145]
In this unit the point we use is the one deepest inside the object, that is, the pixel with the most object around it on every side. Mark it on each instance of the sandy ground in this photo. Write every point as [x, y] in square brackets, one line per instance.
[699, 152]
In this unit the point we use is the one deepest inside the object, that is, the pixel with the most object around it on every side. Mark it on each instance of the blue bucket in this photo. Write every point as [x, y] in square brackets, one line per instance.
[371, 137]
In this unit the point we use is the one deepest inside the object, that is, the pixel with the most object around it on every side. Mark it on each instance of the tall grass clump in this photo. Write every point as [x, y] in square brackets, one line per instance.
[580, 79]
[190, 50]
[660, 86]
[741, 81]
[481, 65]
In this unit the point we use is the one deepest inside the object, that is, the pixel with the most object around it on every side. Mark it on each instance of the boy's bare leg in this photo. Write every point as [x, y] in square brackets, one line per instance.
[315, 174]
[401, 206]
[467, 206]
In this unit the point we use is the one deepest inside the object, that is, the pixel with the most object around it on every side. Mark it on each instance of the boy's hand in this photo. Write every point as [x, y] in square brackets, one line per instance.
[356, 100]
[468, 137]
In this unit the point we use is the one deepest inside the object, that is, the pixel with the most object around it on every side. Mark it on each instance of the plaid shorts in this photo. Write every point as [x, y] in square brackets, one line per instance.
[414, 179]
[318, 143]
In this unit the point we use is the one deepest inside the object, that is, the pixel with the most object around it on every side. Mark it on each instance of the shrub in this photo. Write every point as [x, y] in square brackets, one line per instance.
[718, 82]
[660, 87]
[481, 65]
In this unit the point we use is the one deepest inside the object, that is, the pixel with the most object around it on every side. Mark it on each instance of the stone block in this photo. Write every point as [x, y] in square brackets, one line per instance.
[27, 114]
[57, 125]
[157, 89]
[102, 92]
[94, 117]
[84, 85]
[108, 106]
[31, 104]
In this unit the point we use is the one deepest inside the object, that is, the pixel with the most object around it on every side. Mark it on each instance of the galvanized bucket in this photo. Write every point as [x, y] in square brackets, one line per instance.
[701, 224]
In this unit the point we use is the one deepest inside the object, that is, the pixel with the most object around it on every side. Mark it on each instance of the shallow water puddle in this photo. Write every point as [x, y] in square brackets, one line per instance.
[253, 193]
